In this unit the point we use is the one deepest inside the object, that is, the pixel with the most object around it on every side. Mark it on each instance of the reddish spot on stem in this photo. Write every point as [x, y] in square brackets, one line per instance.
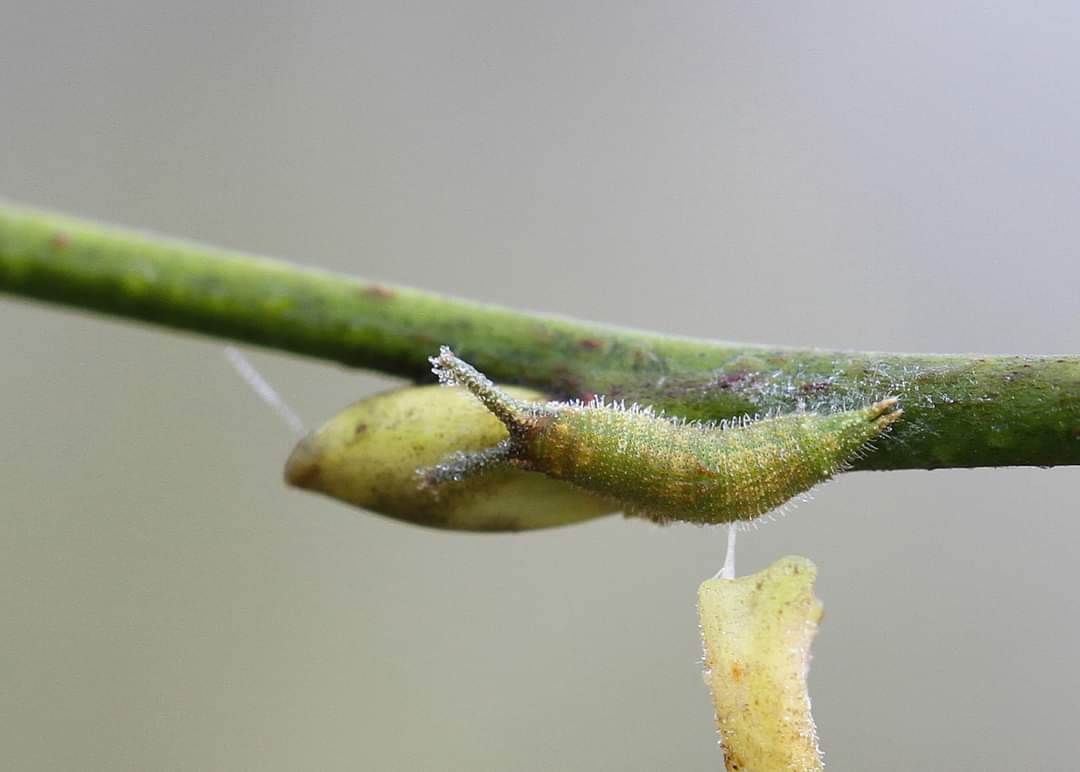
[729, 380]
[563, 383]
[59, 241]
[379, 292]
[590, 344]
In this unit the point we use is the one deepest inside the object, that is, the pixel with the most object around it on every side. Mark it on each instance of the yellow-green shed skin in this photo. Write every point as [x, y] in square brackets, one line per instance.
[367, 455]
[757, 631]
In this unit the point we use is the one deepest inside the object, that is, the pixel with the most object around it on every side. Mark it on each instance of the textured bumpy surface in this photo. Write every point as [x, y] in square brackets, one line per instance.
[663, 468]
[667, 469]
[757, 632]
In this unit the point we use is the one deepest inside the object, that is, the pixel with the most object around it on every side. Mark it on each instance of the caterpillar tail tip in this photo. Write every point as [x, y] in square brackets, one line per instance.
[885, 412]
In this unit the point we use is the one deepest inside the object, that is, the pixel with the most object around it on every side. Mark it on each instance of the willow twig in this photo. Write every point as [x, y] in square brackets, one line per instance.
[960, 411]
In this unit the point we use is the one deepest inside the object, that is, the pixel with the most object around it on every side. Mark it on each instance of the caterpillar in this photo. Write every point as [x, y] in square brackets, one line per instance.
[660, 467]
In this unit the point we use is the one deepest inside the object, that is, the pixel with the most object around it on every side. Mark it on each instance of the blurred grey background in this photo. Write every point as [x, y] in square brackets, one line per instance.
[896, 176]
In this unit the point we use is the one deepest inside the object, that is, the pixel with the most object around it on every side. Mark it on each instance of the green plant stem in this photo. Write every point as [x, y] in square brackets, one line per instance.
[960, 411]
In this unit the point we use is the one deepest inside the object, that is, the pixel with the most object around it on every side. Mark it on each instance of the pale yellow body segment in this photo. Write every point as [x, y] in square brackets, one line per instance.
[757, 631]
[368, 454]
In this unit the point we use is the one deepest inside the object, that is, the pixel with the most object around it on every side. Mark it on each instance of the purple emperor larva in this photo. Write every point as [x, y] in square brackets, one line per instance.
[659, 467]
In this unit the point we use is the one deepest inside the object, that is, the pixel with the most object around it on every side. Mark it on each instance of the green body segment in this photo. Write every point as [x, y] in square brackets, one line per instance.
[669, 470]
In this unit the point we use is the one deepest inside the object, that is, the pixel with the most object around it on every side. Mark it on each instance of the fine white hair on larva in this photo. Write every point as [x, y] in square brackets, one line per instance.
[668, 468]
